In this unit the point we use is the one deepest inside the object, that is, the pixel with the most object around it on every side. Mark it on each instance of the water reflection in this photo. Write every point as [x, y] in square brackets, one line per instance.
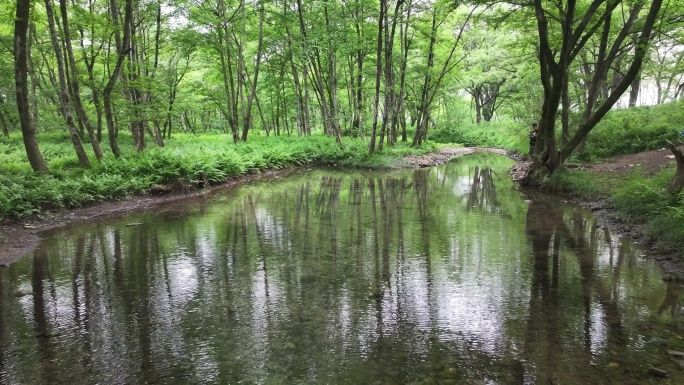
[437, 275]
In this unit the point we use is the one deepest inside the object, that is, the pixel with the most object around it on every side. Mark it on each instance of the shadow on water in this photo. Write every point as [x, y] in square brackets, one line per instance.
[431, 276]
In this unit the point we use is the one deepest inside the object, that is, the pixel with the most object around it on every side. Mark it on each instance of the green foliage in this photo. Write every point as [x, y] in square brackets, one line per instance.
[579, 184]
[586, 185]
[644, 200]
[508, 135]
[634, 130]
[643, 197]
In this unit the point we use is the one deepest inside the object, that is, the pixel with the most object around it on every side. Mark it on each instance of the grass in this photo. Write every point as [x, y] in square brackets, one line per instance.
[507, 135]
[637, 199]
[187, 159]
[586, 185]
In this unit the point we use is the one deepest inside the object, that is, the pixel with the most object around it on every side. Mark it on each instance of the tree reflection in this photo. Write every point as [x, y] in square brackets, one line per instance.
[554, 233]
[482, 192]
[671, 301]
[360, 278]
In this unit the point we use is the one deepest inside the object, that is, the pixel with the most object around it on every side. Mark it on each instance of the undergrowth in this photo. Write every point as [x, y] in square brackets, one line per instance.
[191, 160]
[637, 199]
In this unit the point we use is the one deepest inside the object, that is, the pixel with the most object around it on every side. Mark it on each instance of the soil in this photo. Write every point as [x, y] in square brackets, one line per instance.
[650, 162]
[19, 237]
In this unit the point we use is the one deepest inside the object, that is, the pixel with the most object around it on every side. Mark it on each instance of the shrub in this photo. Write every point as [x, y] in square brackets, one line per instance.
[634, 130]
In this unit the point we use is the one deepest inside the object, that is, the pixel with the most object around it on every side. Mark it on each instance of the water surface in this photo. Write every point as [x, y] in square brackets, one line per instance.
[433, 276]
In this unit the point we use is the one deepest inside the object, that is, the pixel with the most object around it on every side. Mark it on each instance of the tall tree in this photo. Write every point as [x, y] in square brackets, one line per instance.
[28, 130]
[434, 74]
[556, 56]
[75, 83]
[64, 96]
[121, 52]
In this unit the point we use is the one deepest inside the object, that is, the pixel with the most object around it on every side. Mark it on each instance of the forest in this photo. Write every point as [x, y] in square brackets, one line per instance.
[102, 99]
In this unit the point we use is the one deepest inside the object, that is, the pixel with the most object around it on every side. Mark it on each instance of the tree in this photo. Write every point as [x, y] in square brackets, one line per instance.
[433, 75]
[558, 53]
[74, 83]
[121, 52]
[28, 130]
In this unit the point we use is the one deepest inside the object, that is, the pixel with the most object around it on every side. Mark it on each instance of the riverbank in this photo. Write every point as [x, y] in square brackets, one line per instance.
[20, 235]
[626, 193]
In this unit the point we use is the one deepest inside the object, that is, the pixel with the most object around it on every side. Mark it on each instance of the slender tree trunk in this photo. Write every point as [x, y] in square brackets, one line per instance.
[314, 58]
[63, 91]
[478, 107]
[378, 76]
[634, 91]
[89, 61]
[250, 99]
[3, 119]
[32, 73]
[307, 97]
[405, 47]
[302, 123]
[75, 86]
[28, 130]
[565, 114]
[122, 51]
[423, 107]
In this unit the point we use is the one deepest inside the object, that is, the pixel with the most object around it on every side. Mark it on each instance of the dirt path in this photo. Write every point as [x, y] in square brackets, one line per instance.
[650, 162]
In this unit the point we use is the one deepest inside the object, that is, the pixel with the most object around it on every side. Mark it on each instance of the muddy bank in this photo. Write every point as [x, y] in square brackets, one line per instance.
[607, 216]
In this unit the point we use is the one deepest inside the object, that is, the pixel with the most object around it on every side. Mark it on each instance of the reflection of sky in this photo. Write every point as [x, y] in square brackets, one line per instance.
[319, 310]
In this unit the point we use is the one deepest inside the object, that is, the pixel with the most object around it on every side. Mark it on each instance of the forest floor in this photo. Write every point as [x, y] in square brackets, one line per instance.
[19, 237]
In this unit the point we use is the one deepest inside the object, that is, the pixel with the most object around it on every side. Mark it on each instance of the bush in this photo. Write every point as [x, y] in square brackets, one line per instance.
[507, 135]
[634, 130]
[189, 159]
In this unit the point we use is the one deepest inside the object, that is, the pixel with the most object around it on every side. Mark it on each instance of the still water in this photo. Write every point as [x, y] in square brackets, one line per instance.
[434, 276]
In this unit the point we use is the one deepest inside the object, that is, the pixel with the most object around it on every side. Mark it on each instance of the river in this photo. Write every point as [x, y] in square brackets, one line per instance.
[445, 275]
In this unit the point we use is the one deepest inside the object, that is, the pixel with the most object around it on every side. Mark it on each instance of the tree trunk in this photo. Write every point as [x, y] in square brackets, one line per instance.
[314, 58]
[405, 47]
[565, 115]
[247, 122]
[334, 108]
[478, 107]
[32, 73]
[357, 119]
[3, 119]
[122, 51]
[63, 91]
[677, 182]
[378, 74]
[634, 90]
[75, 86]
[28, 130]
